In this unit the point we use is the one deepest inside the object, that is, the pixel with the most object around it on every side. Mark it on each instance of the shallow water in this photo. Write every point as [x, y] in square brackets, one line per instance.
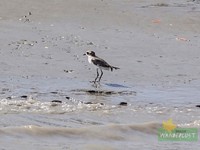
[89, 117]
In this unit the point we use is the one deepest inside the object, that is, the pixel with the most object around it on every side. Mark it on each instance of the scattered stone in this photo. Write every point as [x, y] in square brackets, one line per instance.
[54, 92]
[123, 104]
[67, 97]
[88, 103]
[24, 96]
[56, 101]
[198, 106]
[9, 97]
[108, 92]
[92, 91]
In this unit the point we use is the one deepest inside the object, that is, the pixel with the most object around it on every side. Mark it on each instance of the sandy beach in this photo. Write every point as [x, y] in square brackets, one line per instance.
[155, 44]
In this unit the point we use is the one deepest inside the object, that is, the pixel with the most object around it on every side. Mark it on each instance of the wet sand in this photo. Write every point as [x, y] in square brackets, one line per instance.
[154, 43]
[161, 53]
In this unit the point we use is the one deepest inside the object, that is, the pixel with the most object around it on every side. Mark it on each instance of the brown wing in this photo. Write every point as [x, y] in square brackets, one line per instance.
[100, 62]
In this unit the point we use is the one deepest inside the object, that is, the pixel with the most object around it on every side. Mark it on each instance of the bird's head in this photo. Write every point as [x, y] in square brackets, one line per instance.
[90, 53]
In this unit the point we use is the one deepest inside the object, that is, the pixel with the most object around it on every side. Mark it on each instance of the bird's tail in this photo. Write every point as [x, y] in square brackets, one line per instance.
[112, 67]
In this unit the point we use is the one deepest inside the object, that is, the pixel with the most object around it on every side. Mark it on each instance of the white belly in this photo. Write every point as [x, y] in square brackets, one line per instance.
[89, 59]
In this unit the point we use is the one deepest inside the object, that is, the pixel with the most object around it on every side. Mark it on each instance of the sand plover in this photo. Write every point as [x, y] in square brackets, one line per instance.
[99, 63]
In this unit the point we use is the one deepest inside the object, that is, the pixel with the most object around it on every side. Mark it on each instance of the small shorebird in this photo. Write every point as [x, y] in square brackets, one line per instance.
[99, 63]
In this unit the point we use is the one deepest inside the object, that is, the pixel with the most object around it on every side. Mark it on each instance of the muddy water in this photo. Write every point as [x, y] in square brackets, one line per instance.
[74, 115]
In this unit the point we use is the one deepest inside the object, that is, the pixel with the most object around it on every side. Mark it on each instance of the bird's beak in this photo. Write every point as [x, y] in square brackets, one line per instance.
[84, 54]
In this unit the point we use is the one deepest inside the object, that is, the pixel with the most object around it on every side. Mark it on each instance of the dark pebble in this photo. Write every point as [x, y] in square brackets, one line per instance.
[67, 97]
[109, 92]
[24, 96]
[88, 103]
[9, 97]
[54, 92]
[123, 103]
[92, 91]
[56, 101]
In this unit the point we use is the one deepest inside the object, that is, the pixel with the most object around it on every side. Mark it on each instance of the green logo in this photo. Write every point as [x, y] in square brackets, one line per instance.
[170, 132]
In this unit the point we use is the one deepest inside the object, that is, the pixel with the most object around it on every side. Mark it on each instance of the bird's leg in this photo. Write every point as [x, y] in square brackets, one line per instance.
[101, 75]
[96, 76]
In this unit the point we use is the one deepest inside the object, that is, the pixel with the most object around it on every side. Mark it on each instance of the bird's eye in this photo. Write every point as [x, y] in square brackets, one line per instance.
[87, 53]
